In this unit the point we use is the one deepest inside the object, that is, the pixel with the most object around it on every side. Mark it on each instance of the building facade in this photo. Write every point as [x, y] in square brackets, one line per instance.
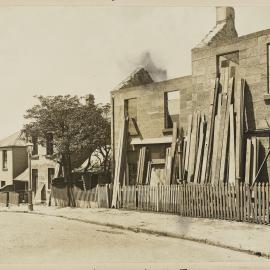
[13, 160]
[43, 169]
[154, 106]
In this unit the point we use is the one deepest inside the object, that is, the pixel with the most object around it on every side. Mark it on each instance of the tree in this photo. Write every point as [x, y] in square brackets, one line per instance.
[103, 146]
[78, 129]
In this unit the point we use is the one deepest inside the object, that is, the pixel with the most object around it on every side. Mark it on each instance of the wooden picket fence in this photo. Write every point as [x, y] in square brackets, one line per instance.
[13, 198]
[231, 202]
[59, 196]
[3, 199]
[93, 198]
[9, 198]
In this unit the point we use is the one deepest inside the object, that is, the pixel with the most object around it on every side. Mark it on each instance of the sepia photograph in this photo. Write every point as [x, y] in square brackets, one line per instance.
[134, 135]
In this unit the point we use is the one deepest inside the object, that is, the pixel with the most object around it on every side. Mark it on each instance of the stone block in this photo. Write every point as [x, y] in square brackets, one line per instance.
[249, 61]
[247, 43]
[200, 53]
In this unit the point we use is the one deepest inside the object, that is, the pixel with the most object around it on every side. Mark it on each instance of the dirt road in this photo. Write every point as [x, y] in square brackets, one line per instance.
[27, 238]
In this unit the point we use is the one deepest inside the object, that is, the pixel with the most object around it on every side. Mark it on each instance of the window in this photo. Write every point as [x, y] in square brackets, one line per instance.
[131, 111]
[34, 180]
[4, 159]
[51, 172]
[35, 146]
[3, 183]
[172, 108]
[49, 144]
[227, 66]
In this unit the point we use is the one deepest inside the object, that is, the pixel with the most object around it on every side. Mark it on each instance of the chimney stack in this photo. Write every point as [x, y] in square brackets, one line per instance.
[224, 14]
[223, 30]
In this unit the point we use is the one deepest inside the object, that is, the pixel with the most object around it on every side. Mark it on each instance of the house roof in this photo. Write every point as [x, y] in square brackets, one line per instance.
[138, 77]
[15, 139]
[24, 176]
[96, 163]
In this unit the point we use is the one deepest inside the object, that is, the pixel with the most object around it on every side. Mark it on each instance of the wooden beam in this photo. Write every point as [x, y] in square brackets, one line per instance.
[168, 165]
[200, 151]
[181, 153]
[213, 162]
[136, 127]
[225, 142]
[248, 162]
[158, 161]
[260, 169]
[240, 128]
[193, 147]
[171, 156]
[188, 139]
[139, 166]
[255, 146]
[231, 178]
[119, 168]
[208, 147]
[221, 135]
[148, 174]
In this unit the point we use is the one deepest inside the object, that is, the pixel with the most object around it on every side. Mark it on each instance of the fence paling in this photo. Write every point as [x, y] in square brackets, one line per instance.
[96, 197]
[223, 201]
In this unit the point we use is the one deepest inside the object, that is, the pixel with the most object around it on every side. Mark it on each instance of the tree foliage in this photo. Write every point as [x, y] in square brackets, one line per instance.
[78, 128]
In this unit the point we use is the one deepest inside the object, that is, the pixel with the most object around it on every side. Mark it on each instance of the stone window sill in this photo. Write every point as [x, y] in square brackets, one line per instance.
[266, 96]
[167, 131]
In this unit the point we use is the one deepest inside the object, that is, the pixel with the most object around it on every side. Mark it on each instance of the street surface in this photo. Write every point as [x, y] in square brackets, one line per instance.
[27, 238]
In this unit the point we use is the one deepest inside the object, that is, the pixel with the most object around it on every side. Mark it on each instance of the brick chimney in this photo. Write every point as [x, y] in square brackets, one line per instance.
[224, 14]
[223, 30]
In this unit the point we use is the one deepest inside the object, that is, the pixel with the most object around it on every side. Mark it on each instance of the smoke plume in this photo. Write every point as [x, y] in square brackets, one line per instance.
[157, 74]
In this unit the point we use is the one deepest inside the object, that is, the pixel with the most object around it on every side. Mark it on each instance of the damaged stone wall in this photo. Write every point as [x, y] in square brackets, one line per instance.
[150, 108]
[253, 67]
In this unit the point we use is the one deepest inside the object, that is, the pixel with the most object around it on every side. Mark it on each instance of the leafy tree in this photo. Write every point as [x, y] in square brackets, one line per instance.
[78, 129]
[103, 146]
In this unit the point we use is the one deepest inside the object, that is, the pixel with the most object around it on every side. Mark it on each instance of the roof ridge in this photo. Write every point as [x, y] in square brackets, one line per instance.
[137, 77]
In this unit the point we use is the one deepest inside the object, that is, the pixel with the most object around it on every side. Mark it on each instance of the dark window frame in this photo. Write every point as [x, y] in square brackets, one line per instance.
[223, 54]
[4, 160]
[34, 177]
[51, 172]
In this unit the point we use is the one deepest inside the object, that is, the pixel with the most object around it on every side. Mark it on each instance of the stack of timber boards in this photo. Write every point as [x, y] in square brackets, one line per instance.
[193, 146]
[171, 163]
[210, 149]
[170, 158]
[141, 166]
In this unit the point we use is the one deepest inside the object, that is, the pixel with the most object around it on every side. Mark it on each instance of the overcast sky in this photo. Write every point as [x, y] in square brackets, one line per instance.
[81, 50]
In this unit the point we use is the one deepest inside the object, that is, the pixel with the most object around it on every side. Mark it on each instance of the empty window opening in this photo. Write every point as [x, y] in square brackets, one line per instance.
[131, 111]
[172, 108]
[227, 68]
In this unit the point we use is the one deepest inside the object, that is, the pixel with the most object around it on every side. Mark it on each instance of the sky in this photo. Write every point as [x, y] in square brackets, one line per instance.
[80, 50]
